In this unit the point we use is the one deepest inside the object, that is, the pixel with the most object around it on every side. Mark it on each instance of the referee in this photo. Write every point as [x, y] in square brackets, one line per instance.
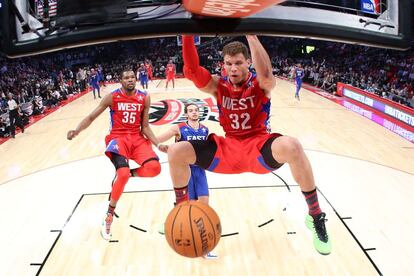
[14, 116]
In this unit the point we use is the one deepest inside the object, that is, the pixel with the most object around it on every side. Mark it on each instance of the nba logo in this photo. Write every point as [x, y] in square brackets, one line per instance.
[371, 6]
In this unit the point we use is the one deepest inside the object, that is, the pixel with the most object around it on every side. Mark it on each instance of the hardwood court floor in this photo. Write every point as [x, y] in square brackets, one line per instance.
[364, 172]
[280, 247]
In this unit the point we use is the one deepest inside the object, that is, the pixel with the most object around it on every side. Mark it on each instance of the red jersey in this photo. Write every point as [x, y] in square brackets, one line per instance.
[149, 68]
[170, 69]
[126, 112]
[245, 111]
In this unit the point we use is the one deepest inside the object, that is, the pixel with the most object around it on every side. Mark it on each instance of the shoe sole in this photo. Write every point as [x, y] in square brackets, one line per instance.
[161, 229]
[309, 225]
[104, 235]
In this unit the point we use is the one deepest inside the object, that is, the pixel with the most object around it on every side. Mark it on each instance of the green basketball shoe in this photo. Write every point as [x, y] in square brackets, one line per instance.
[321, 240]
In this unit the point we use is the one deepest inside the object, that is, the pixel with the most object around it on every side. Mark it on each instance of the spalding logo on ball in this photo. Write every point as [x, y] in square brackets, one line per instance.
[192, 229]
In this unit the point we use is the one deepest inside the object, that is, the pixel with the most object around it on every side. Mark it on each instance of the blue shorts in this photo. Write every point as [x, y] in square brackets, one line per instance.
[197, 186]
[143, 80]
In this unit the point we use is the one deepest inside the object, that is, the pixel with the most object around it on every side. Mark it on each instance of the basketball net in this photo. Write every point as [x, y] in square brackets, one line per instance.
[228, 8]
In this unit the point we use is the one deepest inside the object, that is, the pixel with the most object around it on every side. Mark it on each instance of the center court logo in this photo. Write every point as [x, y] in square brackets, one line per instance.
[171, 111]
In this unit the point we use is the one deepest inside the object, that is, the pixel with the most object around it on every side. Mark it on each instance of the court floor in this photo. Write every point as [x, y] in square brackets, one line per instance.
[54, 194]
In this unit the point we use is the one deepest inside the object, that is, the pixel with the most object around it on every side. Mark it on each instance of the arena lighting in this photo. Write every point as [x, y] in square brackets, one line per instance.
[310, 49]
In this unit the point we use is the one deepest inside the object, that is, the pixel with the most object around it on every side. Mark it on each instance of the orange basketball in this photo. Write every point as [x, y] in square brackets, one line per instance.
[192, 229]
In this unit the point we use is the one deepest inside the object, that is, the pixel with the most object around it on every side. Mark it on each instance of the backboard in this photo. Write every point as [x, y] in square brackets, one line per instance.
[197, 40]
[35, 26]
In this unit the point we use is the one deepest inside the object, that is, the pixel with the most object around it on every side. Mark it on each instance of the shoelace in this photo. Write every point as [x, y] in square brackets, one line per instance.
[320, 228]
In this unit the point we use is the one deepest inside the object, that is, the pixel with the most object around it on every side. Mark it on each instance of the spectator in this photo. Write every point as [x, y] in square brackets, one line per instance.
[4, 128]
[38, 107]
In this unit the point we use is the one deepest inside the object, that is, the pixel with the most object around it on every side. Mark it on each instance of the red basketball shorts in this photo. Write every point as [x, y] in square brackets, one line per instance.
[240, 155]
[170, 77]
[131, 146]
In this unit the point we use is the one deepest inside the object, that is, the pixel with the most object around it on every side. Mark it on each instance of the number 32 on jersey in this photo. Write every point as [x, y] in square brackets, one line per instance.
[241, 121]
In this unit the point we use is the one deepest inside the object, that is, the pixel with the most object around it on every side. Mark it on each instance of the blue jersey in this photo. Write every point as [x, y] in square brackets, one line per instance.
[197, 185]
[100, 74]
[188, 133]
[95, 80]
[299, 74]
[143, 74]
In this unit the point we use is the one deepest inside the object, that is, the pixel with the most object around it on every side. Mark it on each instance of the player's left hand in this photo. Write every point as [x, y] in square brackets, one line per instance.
[163, 148]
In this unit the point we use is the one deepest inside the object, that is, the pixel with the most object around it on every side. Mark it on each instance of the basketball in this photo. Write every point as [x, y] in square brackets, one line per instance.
[192, 229]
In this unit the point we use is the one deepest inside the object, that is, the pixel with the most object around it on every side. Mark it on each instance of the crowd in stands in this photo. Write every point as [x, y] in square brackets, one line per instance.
[387, 73]
[41, 82]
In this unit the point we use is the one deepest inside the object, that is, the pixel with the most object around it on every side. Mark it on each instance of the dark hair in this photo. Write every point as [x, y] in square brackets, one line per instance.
[234, 48]
[187, 105]
[127, 69]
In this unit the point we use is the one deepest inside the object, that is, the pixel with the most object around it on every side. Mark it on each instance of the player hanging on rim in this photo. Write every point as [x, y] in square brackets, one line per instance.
[243, 100]
[130, 137]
